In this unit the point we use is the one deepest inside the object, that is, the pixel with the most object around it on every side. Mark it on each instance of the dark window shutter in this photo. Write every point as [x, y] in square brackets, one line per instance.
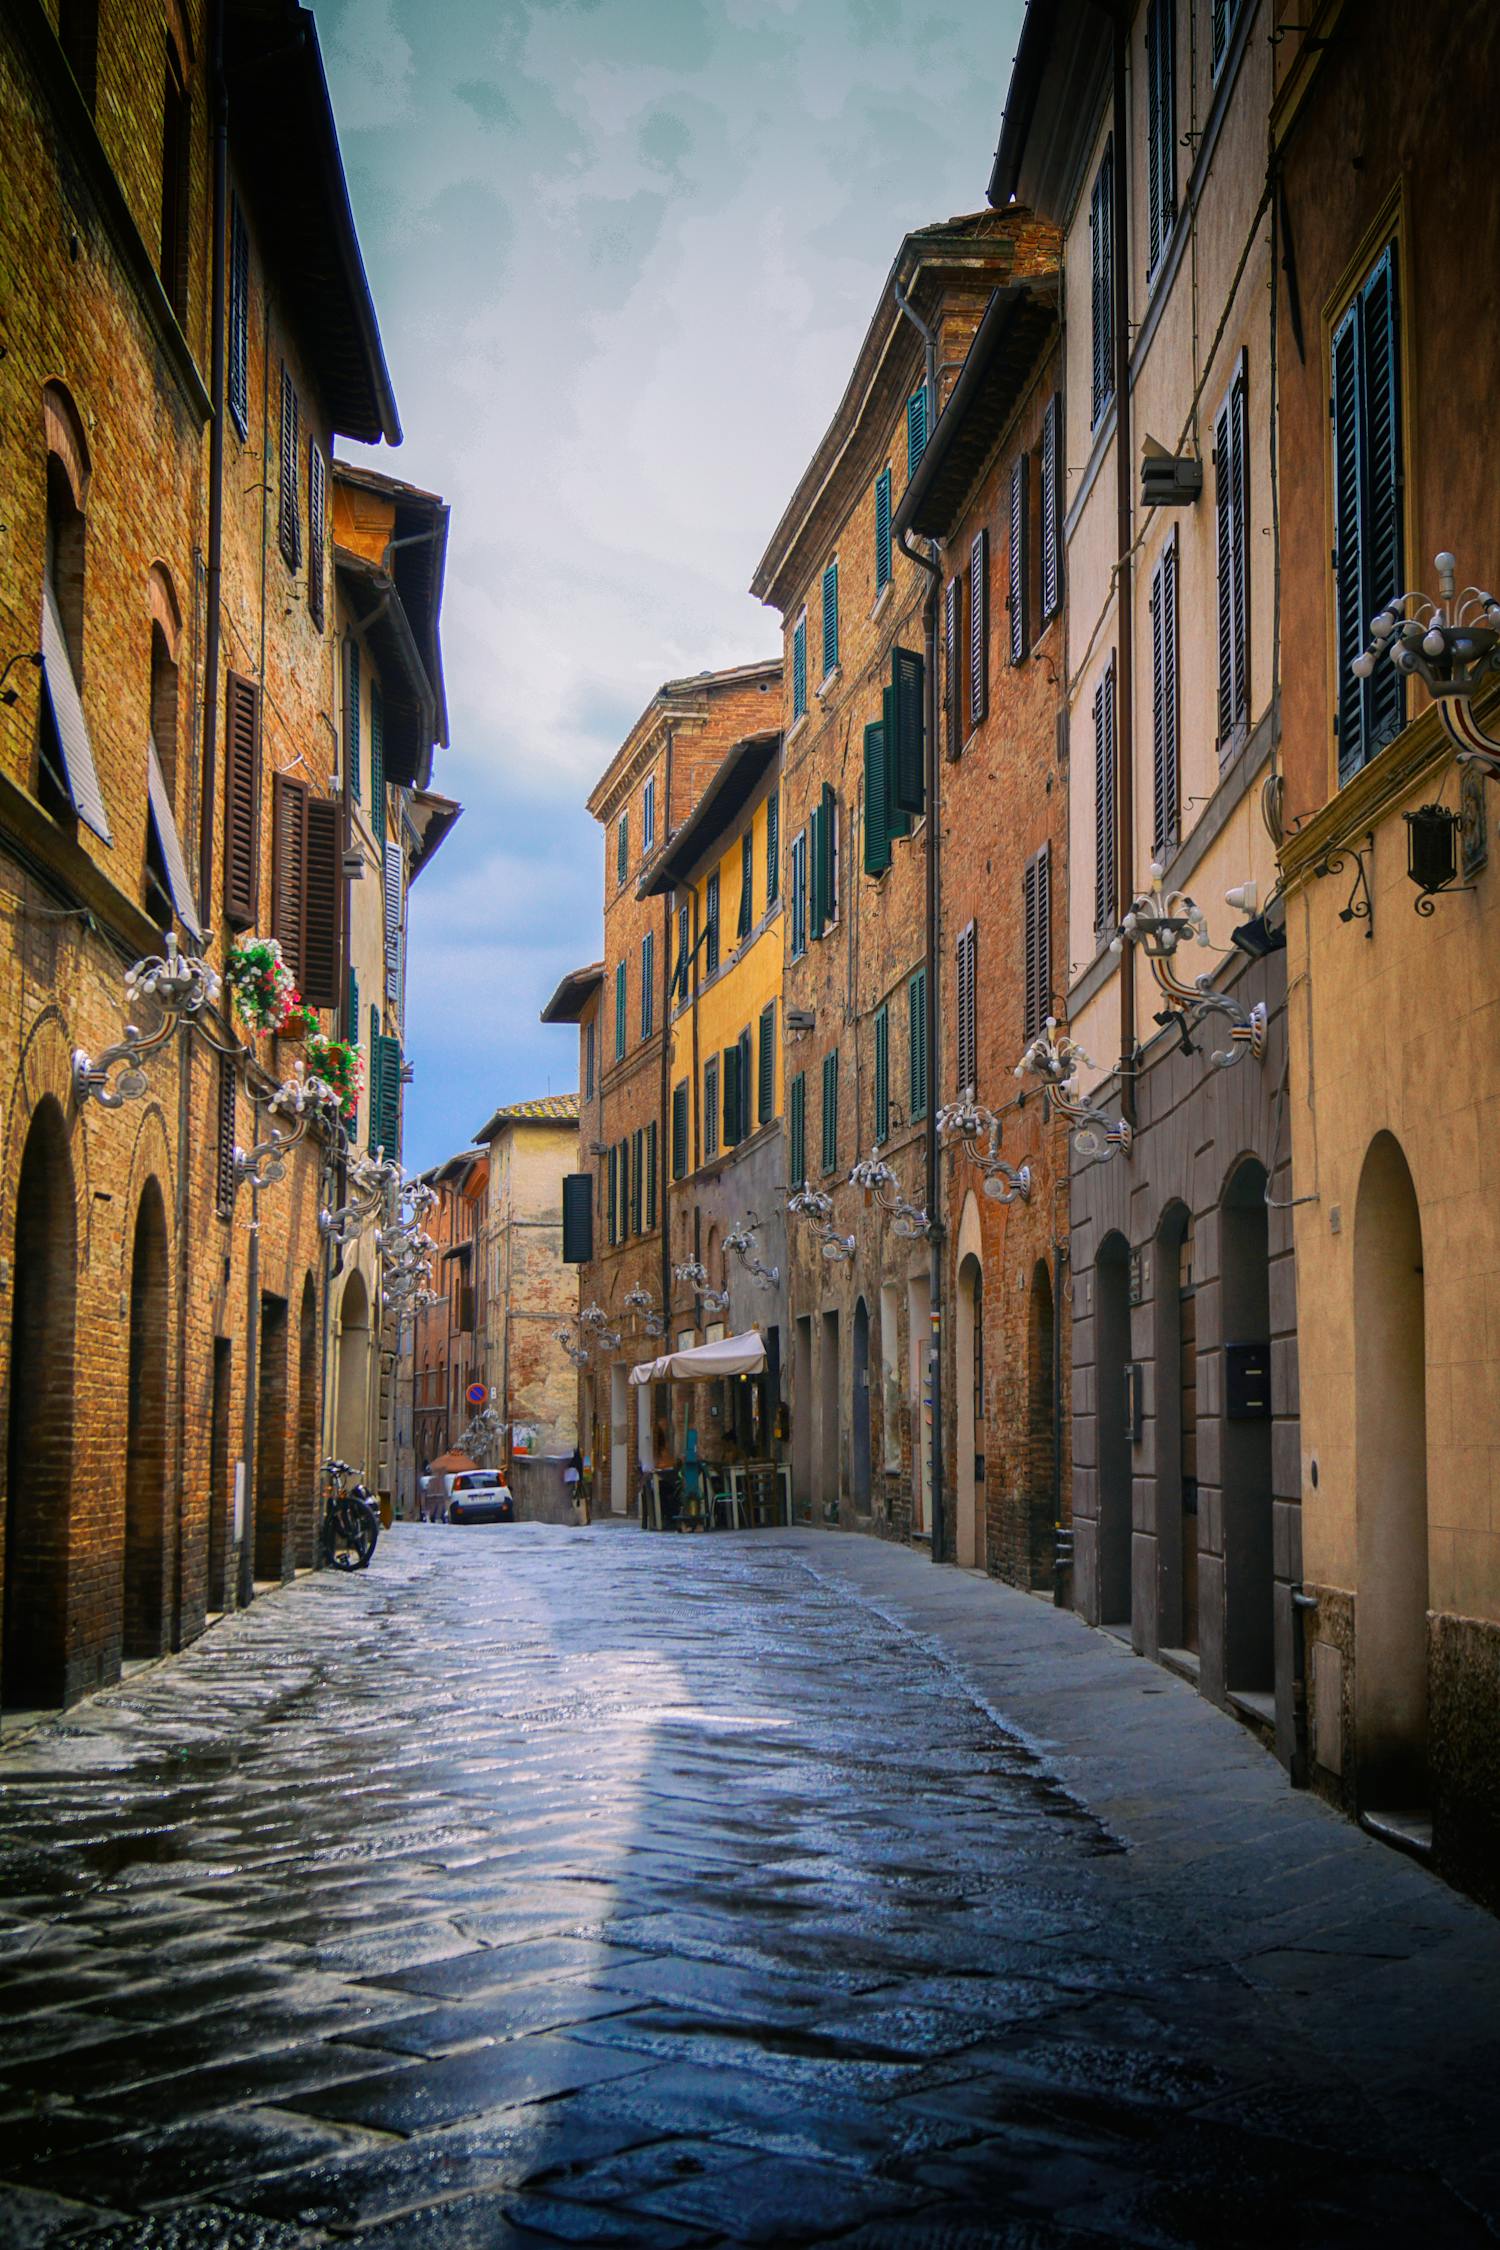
[765, 1080]
[620, 1006]
[882, 530]
[830, 619]
[651, 1176]
[830, 1110]
[967, 1040]
[351, 1011]
[732, 1095]
[829, 842]
[351, 713]
[747, 883]
[289, 507]
[1231, 482]
[241, 801]
[377, 760]
[773, 847]
[897, 821]
[916, 1028]
[1368, 531]
[377, 1068]
[1051, 507]
[224, 1167]
[818, 910]
[950, 668]
[1020, 502]
[877, 822]
[1104, 802]
[797, 1124]
[637, 1179]
[680, 1131]
[882, 1073]
[578, 1218]
[614, 1193]
[622, 847]
[1161, 126]
[648, 984]
[908, 792]
[588, 1060]
[390, 1097]
[1102, 280]
[979, 627]
[323, 925]
[237, 369]
[711, 1107]
[1164, 702]
[916, 430]
[799, 667]
[1037, 919]
[317, 510]
[711, 915]
[1222, 14]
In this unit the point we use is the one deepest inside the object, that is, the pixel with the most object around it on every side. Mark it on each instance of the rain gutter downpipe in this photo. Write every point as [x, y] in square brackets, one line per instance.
[1124, 568]
[929, 563]
[215, 558]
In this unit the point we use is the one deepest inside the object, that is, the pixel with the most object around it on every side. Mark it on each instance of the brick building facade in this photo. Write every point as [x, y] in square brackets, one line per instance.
[447, 1337]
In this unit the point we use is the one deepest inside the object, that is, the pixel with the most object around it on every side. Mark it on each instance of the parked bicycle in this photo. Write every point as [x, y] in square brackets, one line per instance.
[351, 1521]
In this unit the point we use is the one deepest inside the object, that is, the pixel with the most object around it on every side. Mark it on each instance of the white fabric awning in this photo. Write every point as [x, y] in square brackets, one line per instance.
[731, 1355]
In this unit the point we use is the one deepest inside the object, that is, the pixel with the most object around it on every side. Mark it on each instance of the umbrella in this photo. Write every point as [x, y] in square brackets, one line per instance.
[450, 1460]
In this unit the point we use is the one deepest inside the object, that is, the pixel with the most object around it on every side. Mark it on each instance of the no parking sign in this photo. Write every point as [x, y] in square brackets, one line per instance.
[477, 1395]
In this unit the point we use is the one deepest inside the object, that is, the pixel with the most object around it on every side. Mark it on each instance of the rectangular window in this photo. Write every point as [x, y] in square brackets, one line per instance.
[241, 801]
[648, 816]
[622, 847]
[831, 619]
[796, 1103]
[1161, 127]
[967, 1042]
[237, 356]
[916, 1032]
[620, 1033]
[1232, 490]
[765, 1073]
[877, 805]
[711, 1108]
[317, 510]
[773, 848]
[680, 1130]
[830, 1110]
[979, 627]
[882, 531]
[588, 1060]
[1051, 507]
[916, 429]
[614, 1193]
[882, 1074]
[1020, 567]
[1036, 919]
[1369, 546]
[289, 497]
[1165, 831]
[747, 884]
[1105, 885]
[637, 1180]
[906, 733]
[1102, 281]
[684, 950]
[351, 714]
[711, 924]
[648, 984]
[824, 835]
[651, 1176]
[799, 668]
[799, 894]
[952, 599]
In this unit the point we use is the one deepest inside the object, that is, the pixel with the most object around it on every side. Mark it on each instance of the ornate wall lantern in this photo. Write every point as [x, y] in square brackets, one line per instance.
[975, 1131]
[641, 1301]
[1056, 1061]
[882, 1187]
[742, 1242]
[1159, 923]
[1452, 645]
[182, 985]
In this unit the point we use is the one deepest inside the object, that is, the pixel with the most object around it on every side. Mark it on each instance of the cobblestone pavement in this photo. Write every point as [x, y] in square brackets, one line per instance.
[549, 1886]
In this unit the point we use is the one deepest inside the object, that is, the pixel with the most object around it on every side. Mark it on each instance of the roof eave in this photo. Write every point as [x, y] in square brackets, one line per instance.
[1057, 86]
[701, 836]
[573, 994]
[1014, 335]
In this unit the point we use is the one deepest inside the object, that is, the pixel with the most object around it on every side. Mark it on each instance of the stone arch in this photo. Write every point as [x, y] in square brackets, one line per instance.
[1390, 1473]
[63, 438]
[143, 1607]
[40, 1419]
[164, 608]
[352, 1397]
[968, 1351]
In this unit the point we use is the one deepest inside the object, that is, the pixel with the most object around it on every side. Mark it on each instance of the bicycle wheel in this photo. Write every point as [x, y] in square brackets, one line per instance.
[366, 1530]
[350, 1530]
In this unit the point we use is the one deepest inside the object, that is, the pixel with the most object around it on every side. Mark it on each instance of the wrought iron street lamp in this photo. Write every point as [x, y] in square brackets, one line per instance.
[181, 984]
[1056, 1060]
[1159, 923]
[881, 1185]
[973, 1130]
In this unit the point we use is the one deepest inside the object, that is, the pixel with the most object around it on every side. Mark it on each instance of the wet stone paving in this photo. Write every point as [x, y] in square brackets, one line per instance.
[551, 1886]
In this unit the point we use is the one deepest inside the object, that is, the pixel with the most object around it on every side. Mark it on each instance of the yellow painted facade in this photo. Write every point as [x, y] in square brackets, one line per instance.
[718, 1008]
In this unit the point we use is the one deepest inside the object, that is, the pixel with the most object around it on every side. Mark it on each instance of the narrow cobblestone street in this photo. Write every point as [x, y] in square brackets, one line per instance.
[577, 1886]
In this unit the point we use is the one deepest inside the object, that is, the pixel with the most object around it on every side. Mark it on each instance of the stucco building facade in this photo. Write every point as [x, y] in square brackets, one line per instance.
[525, 1292]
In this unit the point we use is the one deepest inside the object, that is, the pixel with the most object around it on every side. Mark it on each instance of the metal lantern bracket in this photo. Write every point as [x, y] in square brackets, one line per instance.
[181, 984]
[1056, 1060]
[968, 1126]
[1360, 904]
[1159, 923]
[881, 1185]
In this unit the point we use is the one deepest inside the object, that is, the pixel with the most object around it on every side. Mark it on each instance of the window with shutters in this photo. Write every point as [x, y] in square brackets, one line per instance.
[882, 1087]
[612, 1194]
[394, 871]
[711, 1108]
[1232, 495]
[966, 1037]
[237, 340]
[1105, 880]
[1102, 282]
[906, 734]
[1161, 128]
[176, 168]
[1165, 786]
[1050, 507]
[588, 1060]
[796, 1110]
[765, 1066]
[916, 1044]
[289, 496]
[1036, 921]
[648, 984]
[711, 924]
[224, 1167]
[877, 806]
[831, 1110]
[952, 690]
[651, 1176]
[733, 1092]
[317, 551]
[578, 1220]
[831, 618]
[622, 847]
[680, 1130]
[882, 531]
[637, 1180]
[241, 801]
[351, 714]
[377, 760]
[773, 848]
[1018, 572]
[979, 627]
[620, 998]
[648, 816]
[916, 429]
[823, 846]
[799, 669]
[797, 875]
[747, 884]
[323, 903]
[1368, 529]
[373, 1079]
[684, 952]
[1223, 16]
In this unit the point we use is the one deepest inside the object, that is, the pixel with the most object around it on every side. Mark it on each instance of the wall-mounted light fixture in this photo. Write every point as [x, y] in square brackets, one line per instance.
[1160, 922]
[974, 1130]
[181, 984]
[741, 1240]
[1452, 645]
[1056, 1060]
[882, 1187]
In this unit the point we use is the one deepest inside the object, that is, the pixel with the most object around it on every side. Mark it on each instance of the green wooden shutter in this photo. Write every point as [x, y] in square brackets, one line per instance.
[578, 1218]
[908, 698]
[351, 1017]
[637, 1178]
[830, 619]
[1104, 803]
[377, 760]
[648, 984]
[773, 848]
[651, 1176]
[765, 1089]
[622, 847]
[711, 1107]
[830, 1109]
[351, 713]
[916, 430]
[732, 1102]
[391, 1095]
[818, 908]
[916, 995]
[1019, 562]
[797, 1121]
[376, 1091]
[1164, 703]
[619, 1011]
[1369, 557]
[614, 1193]
[828, 843]
[711, 920]
[680, 1130]
[882, 530]
[882, 1073]
[1050, 510]
[747, 883]
[877, 822]
[799, 668]
[897, 819]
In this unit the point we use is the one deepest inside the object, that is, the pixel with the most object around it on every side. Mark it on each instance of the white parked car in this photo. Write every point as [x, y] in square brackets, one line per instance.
[477, 1496]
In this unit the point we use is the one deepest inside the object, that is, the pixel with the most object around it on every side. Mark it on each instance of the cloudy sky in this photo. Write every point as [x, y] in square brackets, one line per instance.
[623, 252]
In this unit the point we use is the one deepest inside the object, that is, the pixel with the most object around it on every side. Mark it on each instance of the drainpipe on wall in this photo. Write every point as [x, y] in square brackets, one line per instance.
[934, 900]
[664, 1128]
[1124, 568]
[211, 639]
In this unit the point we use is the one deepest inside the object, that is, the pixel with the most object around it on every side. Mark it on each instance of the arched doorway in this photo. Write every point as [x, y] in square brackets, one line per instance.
[39, 1476]
[1112, 1356]
[305, 1494]
[1245, 1446]
[1390, 1467]
[968, 1389]
[143, 1604]
[271, 1433]
[352, 1412]
[1042, 1476]
[859, 1434]
[1177, 1430]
